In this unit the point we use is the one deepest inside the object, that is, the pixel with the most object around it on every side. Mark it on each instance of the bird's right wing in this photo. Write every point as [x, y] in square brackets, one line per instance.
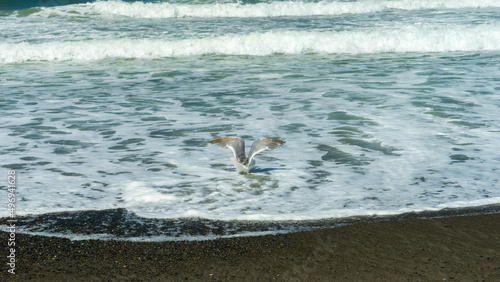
[237, 145]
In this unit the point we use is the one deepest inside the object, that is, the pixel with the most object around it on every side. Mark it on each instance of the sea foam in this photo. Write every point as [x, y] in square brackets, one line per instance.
[401, 40]
[272, 9]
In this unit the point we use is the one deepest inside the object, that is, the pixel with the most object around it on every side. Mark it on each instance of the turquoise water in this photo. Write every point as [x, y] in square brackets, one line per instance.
[385, 106]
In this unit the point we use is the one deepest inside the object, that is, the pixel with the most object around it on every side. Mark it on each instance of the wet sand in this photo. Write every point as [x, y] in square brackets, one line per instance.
[457, 248]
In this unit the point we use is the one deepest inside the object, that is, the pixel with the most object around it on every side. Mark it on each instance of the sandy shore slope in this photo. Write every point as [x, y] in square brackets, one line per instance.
[460, 248]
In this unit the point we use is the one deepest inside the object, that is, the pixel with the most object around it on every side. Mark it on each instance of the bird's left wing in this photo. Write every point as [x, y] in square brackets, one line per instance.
[262, 144]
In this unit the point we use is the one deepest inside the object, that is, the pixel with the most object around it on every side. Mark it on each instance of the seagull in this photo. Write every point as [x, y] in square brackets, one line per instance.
[243, 163]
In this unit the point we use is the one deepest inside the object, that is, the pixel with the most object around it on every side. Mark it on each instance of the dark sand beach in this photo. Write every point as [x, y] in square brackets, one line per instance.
[456, 248]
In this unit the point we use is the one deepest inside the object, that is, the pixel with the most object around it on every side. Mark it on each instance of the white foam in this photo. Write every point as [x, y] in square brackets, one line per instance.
[272, 9]
[400, 40]
[204, 184]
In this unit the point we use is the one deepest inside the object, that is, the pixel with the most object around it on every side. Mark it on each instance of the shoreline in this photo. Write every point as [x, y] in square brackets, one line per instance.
[122, 225]
[450, 248]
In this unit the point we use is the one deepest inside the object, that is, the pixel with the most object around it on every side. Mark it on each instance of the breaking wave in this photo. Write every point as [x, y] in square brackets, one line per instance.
[408, 39]
[271, 9]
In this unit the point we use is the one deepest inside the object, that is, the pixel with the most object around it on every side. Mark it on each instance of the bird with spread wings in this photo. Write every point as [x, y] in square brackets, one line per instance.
[241, 161]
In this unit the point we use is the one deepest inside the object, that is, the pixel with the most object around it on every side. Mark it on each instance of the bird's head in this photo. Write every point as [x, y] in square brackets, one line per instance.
[243, 160]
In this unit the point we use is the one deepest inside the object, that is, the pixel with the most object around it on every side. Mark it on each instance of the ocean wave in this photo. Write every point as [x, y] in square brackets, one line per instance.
[271, 9]
[408, 39]
[26, 4]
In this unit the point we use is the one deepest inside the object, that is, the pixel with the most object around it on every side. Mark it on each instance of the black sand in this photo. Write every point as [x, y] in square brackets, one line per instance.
[457, 248]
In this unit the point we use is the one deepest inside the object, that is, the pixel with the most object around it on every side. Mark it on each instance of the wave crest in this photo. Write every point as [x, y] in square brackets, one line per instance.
[409, 39]
[271, 9]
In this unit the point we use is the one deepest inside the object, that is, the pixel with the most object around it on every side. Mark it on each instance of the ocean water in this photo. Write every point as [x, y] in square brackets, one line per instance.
[386, 107]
